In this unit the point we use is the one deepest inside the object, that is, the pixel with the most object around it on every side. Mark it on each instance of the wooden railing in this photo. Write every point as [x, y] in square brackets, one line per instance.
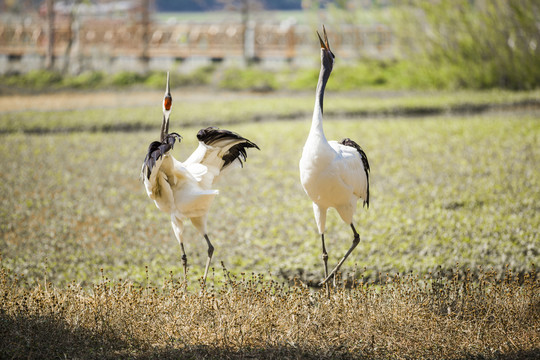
[114, 38]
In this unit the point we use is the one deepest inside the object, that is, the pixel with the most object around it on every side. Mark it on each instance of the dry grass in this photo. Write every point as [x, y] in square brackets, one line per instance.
[447, 190]
[254, 316]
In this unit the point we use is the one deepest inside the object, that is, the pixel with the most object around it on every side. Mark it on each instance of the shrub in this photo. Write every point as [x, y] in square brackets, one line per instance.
[303, 79]
[126, 78]
[41, 78]
[198, 77]
[479, 44]
[250, 78]
[88, 79]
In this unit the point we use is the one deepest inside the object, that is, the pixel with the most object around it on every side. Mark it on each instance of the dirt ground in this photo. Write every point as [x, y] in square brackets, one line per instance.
[78, 100]
[74, 100]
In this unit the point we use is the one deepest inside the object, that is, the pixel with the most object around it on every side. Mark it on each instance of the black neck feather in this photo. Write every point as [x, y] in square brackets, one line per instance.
[324, 75]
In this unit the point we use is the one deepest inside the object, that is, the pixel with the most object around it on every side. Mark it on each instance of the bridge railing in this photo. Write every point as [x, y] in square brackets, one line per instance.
[222, 40]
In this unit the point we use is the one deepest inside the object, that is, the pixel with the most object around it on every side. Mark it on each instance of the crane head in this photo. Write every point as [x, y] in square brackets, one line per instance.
[327, 56]
[167, 105]
[167, 99]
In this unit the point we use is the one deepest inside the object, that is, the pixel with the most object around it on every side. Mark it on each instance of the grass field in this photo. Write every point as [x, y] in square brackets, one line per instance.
[136, 110]
[445, 190]
[448, 193]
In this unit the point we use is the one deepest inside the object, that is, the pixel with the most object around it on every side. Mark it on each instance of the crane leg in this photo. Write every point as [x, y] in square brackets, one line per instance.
[184, 260]
[355, 242]
[325, 261]
[210, 253]
[178, 228]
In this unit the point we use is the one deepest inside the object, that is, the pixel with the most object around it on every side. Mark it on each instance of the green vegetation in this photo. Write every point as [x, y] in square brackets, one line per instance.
[470, 44]
[366, 74]
[90, 267]
[47, 81]
[86, 80]
[447, 44]
[438, 66]
[445, 190]
[248, 79]
[225, 109]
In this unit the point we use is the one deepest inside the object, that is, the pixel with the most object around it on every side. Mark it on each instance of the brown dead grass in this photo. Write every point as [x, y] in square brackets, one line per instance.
[403, 317]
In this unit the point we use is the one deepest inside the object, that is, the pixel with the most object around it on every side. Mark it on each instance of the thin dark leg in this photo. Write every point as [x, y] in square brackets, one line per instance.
[325, 260]
[355, 242]
[184, 260]
[210, 253]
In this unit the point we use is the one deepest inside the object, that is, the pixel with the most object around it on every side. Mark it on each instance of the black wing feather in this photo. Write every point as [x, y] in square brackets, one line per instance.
[211, 135]
[156, 150]
[365, 162]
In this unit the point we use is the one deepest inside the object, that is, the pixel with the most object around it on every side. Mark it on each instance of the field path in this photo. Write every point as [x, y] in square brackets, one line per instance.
[81, 100]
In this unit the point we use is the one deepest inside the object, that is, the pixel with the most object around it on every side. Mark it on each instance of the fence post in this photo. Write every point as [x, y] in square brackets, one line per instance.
[49, 57]
[145, 57]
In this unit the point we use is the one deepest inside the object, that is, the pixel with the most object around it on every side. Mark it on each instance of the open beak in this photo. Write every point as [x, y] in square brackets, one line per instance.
[324, 44]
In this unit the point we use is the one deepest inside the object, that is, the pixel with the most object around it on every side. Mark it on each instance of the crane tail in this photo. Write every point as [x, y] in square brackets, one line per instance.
[365, 162]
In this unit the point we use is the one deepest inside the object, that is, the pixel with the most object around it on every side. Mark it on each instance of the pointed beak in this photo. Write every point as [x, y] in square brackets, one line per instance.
[324, 44]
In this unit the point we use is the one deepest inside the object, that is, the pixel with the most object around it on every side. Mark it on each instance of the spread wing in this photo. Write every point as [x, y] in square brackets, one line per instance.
[218, 149]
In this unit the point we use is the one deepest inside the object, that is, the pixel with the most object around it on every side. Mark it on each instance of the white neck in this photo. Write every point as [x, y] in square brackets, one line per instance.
[317, 123]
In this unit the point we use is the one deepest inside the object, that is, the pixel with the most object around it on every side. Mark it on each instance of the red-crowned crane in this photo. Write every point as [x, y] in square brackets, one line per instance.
[333, 175]
[184, 189]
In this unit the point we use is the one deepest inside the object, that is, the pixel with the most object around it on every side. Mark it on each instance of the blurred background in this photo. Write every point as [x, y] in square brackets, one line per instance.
[443, 95]
[385, 44]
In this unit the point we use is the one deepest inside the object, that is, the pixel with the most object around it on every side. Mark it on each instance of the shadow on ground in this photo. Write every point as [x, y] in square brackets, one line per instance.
[44, 337]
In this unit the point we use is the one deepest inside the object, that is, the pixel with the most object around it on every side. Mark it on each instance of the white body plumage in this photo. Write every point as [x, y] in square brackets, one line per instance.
[333, 174]
[184, 190]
